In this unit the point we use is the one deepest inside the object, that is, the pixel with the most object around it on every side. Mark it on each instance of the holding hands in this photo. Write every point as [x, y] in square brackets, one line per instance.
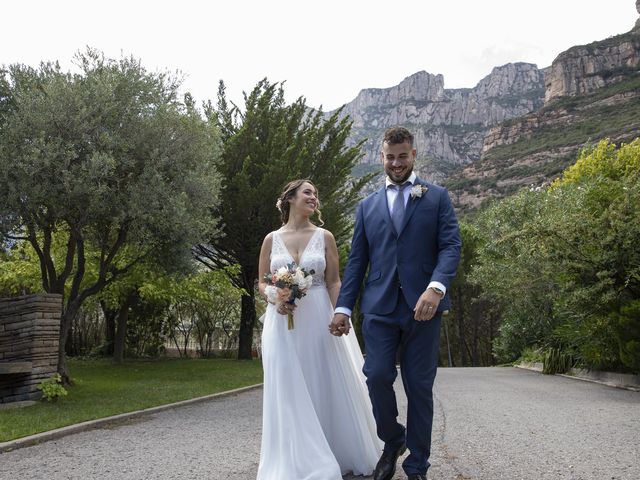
[339, 325]
[425, 310]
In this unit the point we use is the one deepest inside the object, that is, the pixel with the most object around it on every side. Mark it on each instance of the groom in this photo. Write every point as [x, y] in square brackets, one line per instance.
[406, 235]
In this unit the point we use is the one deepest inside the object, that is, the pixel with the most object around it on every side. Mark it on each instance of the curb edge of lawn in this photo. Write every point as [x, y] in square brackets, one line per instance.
[100, 422]
[624, 382]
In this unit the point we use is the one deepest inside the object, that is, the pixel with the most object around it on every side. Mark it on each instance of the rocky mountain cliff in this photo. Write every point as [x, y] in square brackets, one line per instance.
[519, 126]
[584, 69]
[449, 124]
[592, 92]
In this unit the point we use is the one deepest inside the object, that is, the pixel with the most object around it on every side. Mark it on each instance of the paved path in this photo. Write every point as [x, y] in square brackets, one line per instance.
[490, 424]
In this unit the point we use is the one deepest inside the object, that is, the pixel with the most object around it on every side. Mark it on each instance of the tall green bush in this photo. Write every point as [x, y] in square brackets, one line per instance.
[563, 263]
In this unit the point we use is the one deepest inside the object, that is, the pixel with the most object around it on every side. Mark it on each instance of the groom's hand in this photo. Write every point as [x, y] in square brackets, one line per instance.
[339, 325]
[427, 305]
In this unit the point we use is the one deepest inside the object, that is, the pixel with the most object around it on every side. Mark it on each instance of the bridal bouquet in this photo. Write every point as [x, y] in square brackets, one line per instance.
[287, 284]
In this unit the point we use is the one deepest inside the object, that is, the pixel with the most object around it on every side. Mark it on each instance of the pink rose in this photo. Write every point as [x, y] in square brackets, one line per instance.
[284, 294]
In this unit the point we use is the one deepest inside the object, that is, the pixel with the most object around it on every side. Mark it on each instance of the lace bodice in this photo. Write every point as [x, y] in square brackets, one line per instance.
[312, 257]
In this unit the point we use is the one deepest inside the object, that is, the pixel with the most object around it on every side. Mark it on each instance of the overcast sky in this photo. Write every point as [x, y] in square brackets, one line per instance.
[326, 50]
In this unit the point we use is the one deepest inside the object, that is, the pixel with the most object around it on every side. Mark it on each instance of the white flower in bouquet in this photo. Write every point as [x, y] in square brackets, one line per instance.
[282, 272]
[298, 278]
[306, 282]
[272, 293]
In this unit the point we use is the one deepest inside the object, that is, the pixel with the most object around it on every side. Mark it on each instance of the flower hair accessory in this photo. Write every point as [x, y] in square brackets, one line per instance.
[418, 190]
[279, 204]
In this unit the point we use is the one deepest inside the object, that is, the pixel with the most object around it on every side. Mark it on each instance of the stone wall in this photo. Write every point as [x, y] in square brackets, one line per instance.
[29, 336]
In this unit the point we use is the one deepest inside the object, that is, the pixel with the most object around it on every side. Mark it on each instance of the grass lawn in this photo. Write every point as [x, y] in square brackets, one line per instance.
[102, 389]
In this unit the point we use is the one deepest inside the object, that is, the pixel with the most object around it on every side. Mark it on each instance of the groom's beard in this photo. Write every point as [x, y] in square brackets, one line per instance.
[399, 180]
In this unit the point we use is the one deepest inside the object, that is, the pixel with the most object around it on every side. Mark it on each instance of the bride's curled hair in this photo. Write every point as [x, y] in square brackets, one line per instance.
[289, 192]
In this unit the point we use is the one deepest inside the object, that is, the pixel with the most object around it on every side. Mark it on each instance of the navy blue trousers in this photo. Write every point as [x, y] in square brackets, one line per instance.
[418, 345]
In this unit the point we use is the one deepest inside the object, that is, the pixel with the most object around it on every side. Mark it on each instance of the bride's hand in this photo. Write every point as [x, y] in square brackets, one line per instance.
[285, 308]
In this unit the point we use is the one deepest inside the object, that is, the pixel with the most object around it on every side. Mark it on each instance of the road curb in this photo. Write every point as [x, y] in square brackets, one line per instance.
[616, 380]
[100, 422]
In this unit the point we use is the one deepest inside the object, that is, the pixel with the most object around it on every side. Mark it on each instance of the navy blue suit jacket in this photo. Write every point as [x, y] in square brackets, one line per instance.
[426, 249]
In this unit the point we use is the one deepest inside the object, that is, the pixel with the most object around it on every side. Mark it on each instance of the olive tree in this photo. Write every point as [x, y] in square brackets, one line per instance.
[108, 156]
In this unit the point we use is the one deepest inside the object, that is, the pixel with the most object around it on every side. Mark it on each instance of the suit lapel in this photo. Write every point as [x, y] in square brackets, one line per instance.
[383, 208]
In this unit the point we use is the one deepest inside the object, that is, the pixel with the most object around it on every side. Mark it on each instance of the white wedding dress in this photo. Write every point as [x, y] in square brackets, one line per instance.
[317, 421]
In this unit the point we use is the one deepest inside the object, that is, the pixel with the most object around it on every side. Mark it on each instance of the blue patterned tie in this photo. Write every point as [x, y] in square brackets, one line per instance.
[397, 212]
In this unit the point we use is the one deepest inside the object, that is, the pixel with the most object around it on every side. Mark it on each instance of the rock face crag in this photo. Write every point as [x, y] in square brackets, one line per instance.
[584, 69]
[580, 71]
[449, 124]
[592, 92]
[519, 126]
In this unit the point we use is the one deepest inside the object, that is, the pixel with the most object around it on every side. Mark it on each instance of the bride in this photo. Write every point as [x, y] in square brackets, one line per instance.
[317, 422]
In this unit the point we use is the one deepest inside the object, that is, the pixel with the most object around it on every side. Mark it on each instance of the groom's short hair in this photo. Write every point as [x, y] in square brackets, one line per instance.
[396, 135]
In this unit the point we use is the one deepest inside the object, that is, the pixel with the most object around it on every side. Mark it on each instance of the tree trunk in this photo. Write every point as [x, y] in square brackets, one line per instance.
[491, 335]
[69, 344]
[247, 323]
[247, 313]
[63, 368]
[121, 331]
[445, 323]
[475, 314]
[461, 334]
[110, 315]
[69, 313]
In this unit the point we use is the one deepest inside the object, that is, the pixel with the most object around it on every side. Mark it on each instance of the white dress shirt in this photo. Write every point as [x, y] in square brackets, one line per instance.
[392, 193]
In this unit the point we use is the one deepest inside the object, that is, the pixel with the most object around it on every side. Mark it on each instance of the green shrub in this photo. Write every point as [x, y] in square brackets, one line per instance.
[627, 327]
[557, 361]
[532, 355]
[52, 388]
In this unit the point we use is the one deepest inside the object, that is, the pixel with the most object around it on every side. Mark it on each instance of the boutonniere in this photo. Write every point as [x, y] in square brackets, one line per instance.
[418, 190]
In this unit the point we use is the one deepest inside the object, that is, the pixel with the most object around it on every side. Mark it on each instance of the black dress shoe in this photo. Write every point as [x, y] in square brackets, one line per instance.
[386, 466]
[416, 476]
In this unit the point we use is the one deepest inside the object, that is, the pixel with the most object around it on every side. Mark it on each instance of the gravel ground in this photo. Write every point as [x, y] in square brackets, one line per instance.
[490, 424]
[506, 423]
